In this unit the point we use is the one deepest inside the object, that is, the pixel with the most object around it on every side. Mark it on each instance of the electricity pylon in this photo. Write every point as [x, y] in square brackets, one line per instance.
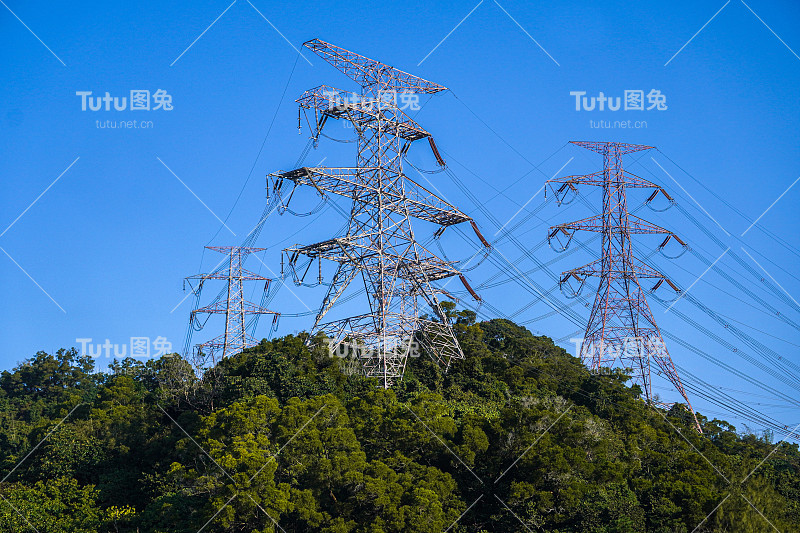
[379, 243]
[621, 324]
[231, 303]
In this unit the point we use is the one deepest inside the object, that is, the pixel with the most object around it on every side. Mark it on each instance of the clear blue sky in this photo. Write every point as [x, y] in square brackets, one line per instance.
[111, 240]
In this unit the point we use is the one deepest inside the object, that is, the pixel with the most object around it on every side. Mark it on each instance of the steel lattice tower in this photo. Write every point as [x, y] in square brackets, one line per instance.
[235, 308]
[379, 243]
[621, 324]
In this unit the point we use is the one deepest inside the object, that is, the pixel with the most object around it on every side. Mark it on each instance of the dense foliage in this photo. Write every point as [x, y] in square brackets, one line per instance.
[519, 432]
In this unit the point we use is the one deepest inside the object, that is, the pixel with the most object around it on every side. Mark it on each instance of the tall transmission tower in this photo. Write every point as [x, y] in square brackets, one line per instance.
[621, 324]
[231, 303]
[379, 243]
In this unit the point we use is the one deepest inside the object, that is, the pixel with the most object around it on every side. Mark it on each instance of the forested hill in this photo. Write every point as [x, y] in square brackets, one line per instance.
[518, 432]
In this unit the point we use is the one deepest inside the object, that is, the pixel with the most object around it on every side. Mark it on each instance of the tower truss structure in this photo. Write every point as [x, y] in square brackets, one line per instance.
[379, 244]
[621, 324]
[231, 303]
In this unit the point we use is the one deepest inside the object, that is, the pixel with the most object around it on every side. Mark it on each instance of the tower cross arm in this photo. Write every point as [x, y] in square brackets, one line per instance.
[362, 111]
[614, 148]
[337, 249]
[221, 307]
[602, 178]
[359, 183]
[599, 268]
[223, 273]
[361, 250]
[368, 72]
[218, 343]
[598, 224]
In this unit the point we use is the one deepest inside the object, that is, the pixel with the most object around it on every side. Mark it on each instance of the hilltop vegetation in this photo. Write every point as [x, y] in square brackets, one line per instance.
[519, 431]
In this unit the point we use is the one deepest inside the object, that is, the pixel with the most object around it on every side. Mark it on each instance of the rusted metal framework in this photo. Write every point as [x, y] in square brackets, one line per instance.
[398, 272]
[230, 303]
[621, 324]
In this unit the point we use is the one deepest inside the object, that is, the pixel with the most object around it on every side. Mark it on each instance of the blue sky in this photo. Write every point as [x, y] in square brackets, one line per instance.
[111, 240]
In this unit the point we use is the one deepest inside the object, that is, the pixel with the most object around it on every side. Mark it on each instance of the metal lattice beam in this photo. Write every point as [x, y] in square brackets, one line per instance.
[354, 183]
[368, 72]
